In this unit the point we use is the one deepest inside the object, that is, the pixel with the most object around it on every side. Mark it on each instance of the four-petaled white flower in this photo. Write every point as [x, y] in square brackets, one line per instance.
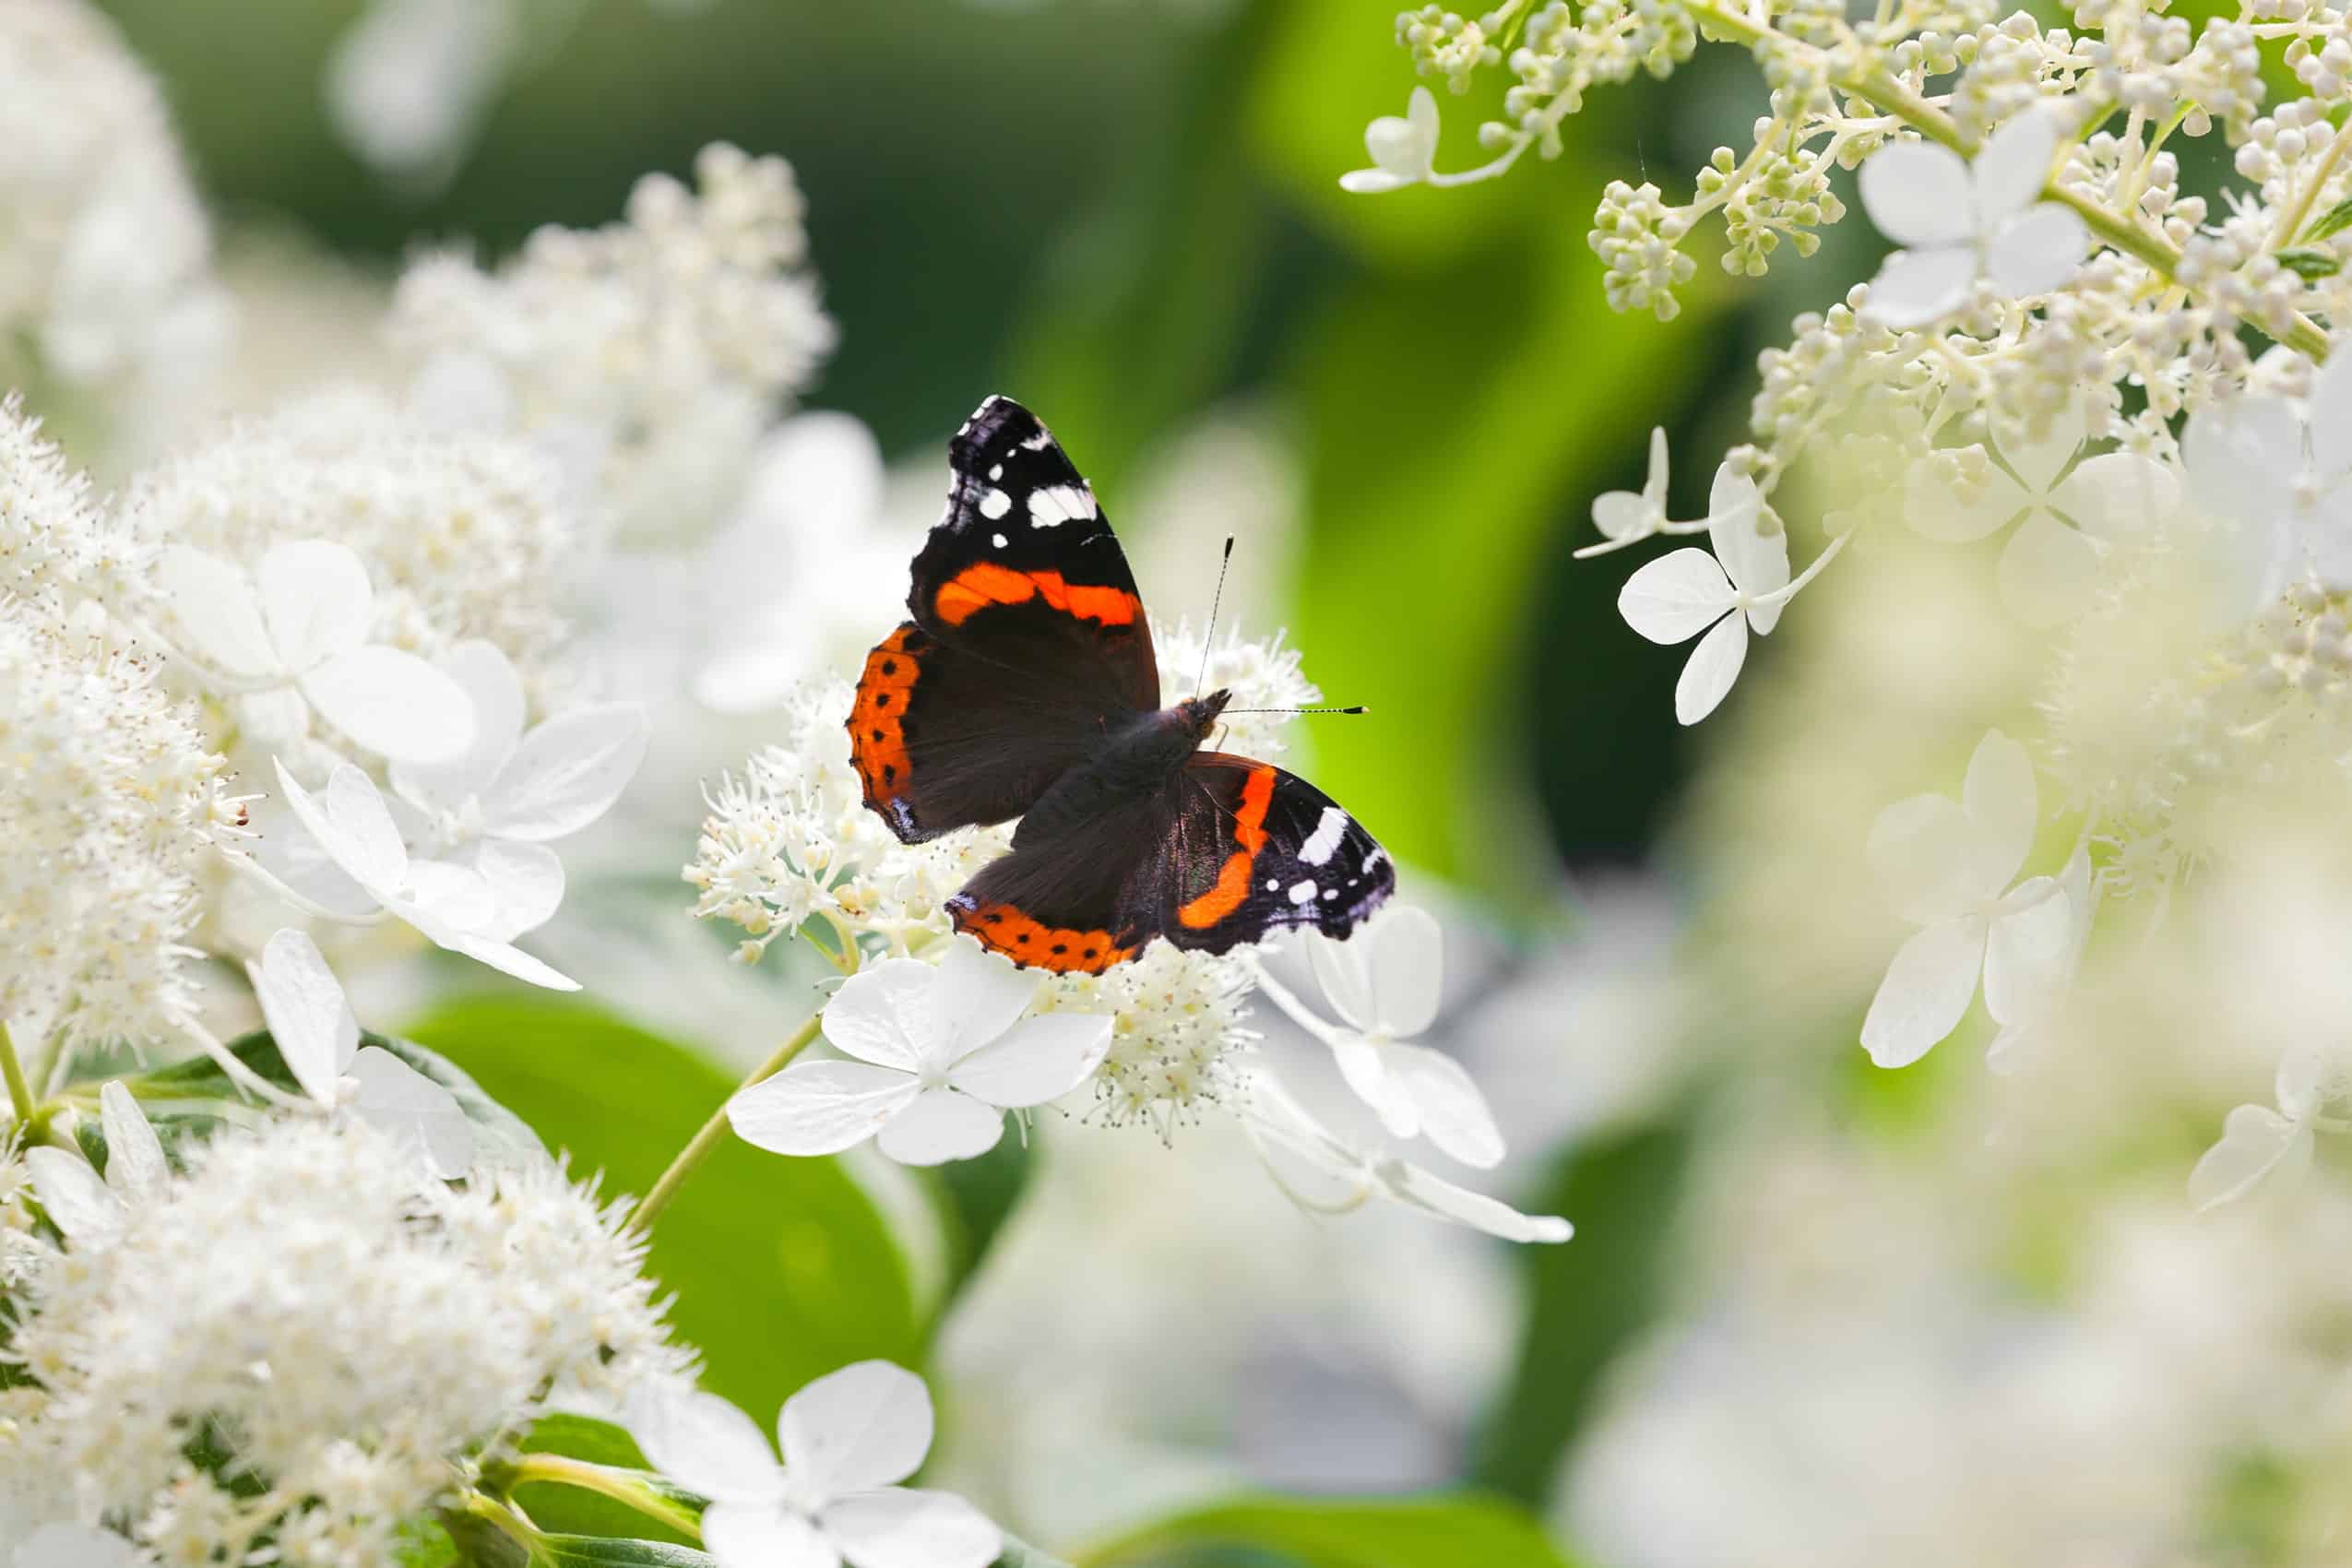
[1676, 597]
[301, 623]
[2258, 1143]
[1277, 1123]
[2050, 562]
[453, 904]
[2283, 476]
[91, 1209]
[1947, 865]
[941, 1054]
[848, 1439]
[1383, 982]
[1404, 151]
[1626, 516]
[318, 1036]
[1960, 221]
[2031, 1015]
[493, 808]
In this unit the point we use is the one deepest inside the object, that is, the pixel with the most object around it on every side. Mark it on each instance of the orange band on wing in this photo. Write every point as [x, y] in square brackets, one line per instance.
[877, 719]
[974, 589]
[1234, 878]
[1003, 929]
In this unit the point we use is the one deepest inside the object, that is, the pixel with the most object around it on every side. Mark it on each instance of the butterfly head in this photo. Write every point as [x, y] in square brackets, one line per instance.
[1200, 714]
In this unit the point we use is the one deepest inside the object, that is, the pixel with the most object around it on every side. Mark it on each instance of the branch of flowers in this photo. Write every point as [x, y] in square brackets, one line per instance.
[2290, 220]
[20, 1092]
[666, 1186]
[628, 1487]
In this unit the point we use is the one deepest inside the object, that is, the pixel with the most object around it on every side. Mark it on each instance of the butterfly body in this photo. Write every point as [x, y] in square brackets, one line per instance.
[1025, 685]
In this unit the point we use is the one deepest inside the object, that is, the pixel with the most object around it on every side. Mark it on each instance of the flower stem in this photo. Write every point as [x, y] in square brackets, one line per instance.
[628, 1487]
[658, 1196]
[20, 1092]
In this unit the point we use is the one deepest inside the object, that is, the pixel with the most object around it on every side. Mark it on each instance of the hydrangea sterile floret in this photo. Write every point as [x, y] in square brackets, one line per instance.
[2282, 475]
[87, 1209]
[2259, 1144]
[1404, 150]
[939, 1053]
[848, 1440]
[1960, 221]
[1742, 586]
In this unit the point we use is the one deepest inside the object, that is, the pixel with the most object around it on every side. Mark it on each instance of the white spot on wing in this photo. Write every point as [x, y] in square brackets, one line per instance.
[997, 540]
[997, 471]
[1324, 839]
[1055, 504]
[994, 505]
[1040, 442]
[1272, 882]
[1302, 891]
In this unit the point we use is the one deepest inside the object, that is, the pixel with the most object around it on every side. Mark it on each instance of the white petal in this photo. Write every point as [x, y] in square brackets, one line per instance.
[882, 1013]
[1397, 149]
[1676, 597]
[2243, 458]
[1343, 970]
[940, 1125]
[1935, 510]
[901, 1528]
[307, 1013]
[1926, 992]
[747, 1535]
[75, 1546]
[1040, 1060]
[350, 823]
[219, 614]
[2037, 253]
[75, 1198]
[1364, 1065]
[820, 1106]
[865, 1426]
[392, 702]
[1913, 287]
[1917, 194]
[1405, 961]
[2302, 1080]
[2047, 571]
[2026, 954]
[977, 998]
[1370, 182]
[1998, 795]
[703, 1444]
[396, 1099]
[136, 1168]
[2012, 167]
[1654, 483]
[526, 884]
[452, 895]
[2117, 495]
[1421, 110]
[566, 773]
[315, 601]
[2039, 463]
[503, 956]
[1411, 1184]
[1454, 1115]
[1929, 856]
[287, 852]
[1713, 666]
[496, 691]
[2330, 415]
[2255, 1141]
[1620, 513]
[1753, 548]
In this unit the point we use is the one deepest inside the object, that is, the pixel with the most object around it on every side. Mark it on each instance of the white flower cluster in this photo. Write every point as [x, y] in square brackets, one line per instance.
[227, 1308]
[107, 268]
[2064, 355]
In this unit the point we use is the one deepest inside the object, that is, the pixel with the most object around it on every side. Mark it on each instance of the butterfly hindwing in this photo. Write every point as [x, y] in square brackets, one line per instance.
[1078, 900]
[1251, 849]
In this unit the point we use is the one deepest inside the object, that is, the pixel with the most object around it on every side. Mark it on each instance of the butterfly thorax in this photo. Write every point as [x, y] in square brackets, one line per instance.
[1134, 760]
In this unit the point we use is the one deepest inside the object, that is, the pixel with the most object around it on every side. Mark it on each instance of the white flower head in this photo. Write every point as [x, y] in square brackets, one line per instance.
[1948, 866]
[1681, 594]
[1383, 981]
[302, 622]
[2260, 1144]
[1960, 221]
[848, 1440]
[2284, 477]
[457, 907]
[941, 1053]
[312, 1023]
[1404, 151]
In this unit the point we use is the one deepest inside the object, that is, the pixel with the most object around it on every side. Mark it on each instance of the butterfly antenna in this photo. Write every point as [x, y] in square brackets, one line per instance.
[1357, 709]
[1208, 639]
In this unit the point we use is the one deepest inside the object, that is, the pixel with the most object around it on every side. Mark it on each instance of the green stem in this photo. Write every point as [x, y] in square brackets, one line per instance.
[658, 1196]
[20, 1092]
[628, 1487]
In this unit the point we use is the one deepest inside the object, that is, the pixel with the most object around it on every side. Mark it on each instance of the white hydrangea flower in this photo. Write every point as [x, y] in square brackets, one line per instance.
[460, 908]
[1261, 673]
[1688, 591]
[848, 1440]
[941, 1053]
[300, 624]
[1404, 151]
[1963, 221]
[56, 540]
[91, 1210]
[1625, 517]
[2260, 1144]
[1180, 1033]
[241, 1298]
[1948, 866]
[315, 1031]
[1276, 1122]
[1385, 981]
[2283, 476]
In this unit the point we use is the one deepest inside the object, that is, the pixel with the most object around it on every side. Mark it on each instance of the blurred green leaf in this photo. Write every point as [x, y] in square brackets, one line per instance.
[975, 1197]
[425, 1545]
[2312, 263]
[1021, 1554]
[1460, 1531]
[784, 1269]
[599, 1552]
[1588, 1298]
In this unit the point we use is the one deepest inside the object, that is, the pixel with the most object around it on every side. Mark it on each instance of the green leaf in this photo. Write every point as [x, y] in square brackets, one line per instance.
[2311, 264]
[2333, 221]
[1588, 1298]
[1455, 1531]
[1021, 1554]
[574, 1509]
[604, 1551]
[783, 1269]
[974, 1198]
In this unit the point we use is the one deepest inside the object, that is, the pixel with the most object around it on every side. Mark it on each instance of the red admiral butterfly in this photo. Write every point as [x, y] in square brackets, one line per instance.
[1027, 686]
